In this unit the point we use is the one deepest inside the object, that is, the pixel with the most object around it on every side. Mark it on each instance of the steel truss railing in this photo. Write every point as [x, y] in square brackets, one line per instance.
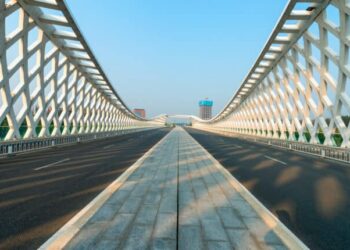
[299, 88]
[51, 85]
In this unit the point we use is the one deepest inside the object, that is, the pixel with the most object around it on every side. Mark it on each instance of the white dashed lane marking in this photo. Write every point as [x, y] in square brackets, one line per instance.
[52, 164]
[274, 159]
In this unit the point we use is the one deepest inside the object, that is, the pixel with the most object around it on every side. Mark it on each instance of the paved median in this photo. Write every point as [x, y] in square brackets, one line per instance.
[176, 196]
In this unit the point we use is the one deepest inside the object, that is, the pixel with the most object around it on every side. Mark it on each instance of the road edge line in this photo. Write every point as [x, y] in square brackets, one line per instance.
[287, 236]
[62, 237]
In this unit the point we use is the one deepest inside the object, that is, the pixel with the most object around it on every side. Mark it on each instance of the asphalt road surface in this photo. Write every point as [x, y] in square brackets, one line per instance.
[41, 191]
[309, 194]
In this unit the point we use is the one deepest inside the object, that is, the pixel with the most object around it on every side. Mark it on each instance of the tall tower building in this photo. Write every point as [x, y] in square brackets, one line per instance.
[140, 113]
[205, 107]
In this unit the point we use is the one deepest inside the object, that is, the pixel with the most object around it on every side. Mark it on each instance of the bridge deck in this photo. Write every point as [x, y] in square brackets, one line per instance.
[177, 196]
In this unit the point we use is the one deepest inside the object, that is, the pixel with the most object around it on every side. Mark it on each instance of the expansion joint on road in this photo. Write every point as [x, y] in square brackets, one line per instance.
[178, 193]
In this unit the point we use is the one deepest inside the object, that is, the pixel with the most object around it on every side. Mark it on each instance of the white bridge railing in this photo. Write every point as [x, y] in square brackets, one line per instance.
[20, 146]
[298, 91]
[334, 153]
[52, 88]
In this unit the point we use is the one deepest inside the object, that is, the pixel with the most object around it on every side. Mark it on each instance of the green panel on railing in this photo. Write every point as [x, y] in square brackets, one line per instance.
[23, 128]
[287, 134]
[62, 127]
[51, 127]
[4, 129]
[38, 128]
[296, 136]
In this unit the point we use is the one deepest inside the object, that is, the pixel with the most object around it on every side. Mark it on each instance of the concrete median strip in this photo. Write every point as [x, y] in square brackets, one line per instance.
[176, 196]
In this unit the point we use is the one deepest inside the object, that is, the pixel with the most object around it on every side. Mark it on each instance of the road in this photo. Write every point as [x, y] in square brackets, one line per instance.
[41, 191]
[309, 194]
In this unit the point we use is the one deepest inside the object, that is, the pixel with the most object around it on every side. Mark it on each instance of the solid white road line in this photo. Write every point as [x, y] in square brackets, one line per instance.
[274, 159]
[52, 164]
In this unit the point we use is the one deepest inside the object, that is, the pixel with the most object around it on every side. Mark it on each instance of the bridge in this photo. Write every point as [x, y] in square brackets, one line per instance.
[79, 170]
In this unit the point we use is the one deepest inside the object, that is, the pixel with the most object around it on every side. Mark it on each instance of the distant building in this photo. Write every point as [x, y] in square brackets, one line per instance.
[140, 113]
[205, 107]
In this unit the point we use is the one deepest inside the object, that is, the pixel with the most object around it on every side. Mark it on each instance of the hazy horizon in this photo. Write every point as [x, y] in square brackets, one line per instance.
[166, 56]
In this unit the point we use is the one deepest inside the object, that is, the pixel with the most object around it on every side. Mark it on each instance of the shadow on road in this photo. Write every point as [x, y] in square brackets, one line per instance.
[310, 195]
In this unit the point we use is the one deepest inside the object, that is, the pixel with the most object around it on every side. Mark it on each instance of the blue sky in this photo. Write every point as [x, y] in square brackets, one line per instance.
[166, 55]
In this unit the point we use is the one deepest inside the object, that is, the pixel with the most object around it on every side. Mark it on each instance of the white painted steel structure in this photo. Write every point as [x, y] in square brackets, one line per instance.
[51, 85]
[299, 88]
[53, 90]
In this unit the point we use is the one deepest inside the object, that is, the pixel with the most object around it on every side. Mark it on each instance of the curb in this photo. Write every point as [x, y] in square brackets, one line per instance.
[287, 236]
[72, 227]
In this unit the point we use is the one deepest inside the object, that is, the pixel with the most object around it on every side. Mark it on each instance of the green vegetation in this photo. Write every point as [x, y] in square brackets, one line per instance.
[169, 124]
[38, 128]
[307, 136]
[346, 119]
[337, 139]
[279, 133]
